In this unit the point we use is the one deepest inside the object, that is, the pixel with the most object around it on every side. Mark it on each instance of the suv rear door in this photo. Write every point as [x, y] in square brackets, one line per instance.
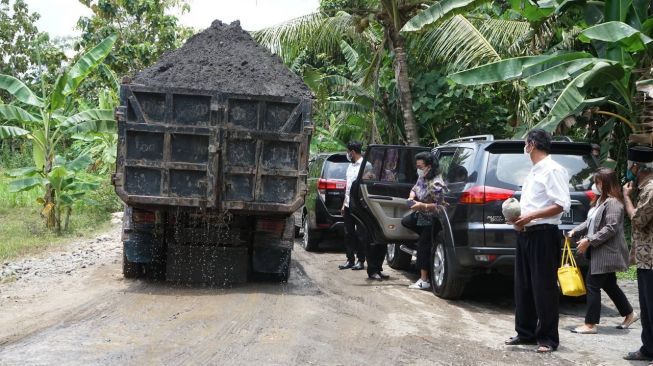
[378, 198]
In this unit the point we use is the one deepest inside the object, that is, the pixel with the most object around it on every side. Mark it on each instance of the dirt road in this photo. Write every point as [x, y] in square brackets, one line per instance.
[71, 306]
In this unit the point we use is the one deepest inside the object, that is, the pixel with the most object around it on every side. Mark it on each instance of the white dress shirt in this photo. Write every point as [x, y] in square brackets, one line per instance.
[546, 184]
[352, 174]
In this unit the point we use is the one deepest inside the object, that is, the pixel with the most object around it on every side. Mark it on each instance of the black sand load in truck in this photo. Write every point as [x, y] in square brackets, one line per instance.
[212, 158]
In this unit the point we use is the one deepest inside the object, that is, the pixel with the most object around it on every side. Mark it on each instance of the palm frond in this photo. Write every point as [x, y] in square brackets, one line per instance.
[457, 43]
[500, 33]
[316, 31]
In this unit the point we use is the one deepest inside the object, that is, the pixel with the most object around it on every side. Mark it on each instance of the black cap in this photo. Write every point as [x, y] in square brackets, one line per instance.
[640, 154]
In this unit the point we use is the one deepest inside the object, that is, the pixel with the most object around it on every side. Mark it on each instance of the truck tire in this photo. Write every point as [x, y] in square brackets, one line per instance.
[311, 239]
[445, 282]
[397, 258]
[155, 271]
[131, 269]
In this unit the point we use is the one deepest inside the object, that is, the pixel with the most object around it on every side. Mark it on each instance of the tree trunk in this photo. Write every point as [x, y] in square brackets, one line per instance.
[403, 86]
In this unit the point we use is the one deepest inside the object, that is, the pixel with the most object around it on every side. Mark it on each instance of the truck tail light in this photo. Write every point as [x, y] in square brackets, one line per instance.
[324, 185]
[271, 226]
[143, 217]
[485, 194]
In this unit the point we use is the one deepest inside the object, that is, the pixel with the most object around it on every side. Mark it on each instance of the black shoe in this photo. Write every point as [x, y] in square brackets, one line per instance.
[383, 276]
[347, 265]
[358, 266]
[375, 277]
[513, 341]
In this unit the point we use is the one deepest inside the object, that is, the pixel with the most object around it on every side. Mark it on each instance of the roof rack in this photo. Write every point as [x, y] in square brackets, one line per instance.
[472, 138]
[562, 138]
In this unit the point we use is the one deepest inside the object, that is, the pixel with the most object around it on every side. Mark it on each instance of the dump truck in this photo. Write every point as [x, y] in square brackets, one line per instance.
[210, 177]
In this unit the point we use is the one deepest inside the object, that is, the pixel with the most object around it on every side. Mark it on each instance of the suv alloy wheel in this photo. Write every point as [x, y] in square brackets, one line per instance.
[397, 258]
[444, 281]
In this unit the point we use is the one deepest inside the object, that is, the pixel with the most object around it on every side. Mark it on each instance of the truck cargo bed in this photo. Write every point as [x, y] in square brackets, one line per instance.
[211, 150]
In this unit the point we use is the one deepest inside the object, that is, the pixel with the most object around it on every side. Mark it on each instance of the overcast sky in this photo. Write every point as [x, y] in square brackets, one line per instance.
[58, 17]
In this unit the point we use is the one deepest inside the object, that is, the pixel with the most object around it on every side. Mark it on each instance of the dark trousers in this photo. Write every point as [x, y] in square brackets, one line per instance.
[375, 256]
[536, 285]
[645, 284]
[353, 244]
[607, 282]
[424, 242]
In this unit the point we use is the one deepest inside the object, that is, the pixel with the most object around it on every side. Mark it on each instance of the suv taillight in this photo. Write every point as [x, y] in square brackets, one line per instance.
[590, 195]
[331, 184]
[485, 194]
[324, 185]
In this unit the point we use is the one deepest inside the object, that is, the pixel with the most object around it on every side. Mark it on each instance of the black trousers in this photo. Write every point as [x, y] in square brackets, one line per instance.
[536, 285]
[645, 284]
[607, 282]
[424, 242]
[375, 256]
[353, 244]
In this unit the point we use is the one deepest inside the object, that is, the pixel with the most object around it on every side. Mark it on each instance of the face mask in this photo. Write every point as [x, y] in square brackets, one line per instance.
[420, 172]
[526, 152]
[596, 190]
[630, 176]
[349, 157]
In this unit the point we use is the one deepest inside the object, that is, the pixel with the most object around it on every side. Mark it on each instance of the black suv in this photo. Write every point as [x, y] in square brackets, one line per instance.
[327, 180]
[473, 236]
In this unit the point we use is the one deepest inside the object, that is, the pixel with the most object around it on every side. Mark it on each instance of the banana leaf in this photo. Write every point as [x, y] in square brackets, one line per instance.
[12, 131]
[20, 91]
[25, 184]
[626, 36]
[438, 11]
[87, 63]
[9, 112]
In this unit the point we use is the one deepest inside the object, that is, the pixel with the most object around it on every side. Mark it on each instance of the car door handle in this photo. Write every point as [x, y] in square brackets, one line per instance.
[383, 198]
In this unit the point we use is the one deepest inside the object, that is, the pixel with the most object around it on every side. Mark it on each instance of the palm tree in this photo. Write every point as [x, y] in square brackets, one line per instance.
[377, 24]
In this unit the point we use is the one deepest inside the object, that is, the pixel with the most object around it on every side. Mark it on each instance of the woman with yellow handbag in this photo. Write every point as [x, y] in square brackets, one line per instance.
[604, 244]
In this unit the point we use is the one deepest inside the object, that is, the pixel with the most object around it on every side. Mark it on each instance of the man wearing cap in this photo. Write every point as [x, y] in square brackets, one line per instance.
[640, 177]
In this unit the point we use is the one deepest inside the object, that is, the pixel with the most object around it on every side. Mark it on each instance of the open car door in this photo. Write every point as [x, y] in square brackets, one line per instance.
[379, 196]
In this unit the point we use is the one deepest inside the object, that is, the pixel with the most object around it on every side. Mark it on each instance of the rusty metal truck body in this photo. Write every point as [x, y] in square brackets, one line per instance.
[210, 181]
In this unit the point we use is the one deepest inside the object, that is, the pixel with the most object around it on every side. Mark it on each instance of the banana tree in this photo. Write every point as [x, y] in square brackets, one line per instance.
[66, 178]
[47, 120]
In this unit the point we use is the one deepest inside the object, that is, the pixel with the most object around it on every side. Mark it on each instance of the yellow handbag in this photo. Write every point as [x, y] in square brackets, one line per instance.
[569, 276]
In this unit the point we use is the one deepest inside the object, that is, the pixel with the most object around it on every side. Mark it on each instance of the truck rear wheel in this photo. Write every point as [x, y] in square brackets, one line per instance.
[397, 258]
[131, 269]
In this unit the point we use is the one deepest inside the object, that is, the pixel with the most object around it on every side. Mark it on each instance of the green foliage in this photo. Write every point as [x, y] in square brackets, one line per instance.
[49, 122]
[145, 28]
[445, 111]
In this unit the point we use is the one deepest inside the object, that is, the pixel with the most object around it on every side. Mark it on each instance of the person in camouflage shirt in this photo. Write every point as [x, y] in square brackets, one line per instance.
[640, 174]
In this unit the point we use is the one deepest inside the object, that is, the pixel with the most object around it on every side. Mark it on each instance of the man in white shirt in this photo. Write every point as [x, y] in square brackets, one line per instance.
[353, 244]
[545, 196]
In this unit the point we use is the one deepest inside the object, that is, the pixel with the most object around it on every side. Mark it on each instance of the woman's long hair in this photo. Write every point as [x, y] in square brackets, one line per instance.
[431, 162]
[609, 185]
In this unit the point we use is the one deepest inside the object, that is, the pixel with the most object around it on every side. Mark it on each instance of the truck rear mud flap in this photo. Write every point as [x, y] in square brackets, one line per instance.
[211, 265]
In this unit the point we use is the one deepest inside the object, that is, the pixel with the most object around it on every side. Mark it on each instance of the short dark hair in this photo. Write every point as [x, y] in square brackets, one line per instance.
[540, 139]
[596, 147]
[430, 161]
[355, 146]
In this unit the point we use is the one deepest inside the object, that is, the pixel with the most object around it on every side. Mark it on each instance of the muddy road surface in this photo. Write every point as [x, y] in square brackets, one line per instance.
[71, 306]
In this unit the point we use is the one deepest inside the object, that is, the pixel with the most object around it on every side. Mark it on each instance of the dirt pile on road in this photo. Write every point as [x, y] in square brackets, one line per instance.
[227, 59]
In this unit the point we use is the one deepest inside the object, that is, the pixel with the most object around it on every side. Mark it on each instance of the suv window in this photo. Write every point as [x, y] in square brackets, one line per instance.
[455, 164]
[509, 170]
[335, 170]
[391, 164]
